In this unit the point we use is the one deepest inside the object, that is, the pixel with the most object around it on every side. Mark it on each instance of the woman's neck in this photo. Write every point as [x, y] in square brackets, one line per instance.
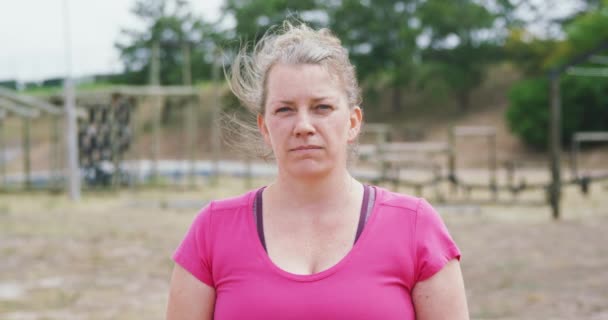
[330, 191]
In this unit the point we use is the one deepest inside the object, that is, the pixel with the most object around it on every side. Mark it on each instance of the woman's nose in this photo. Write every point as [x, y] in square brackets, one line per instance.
[303, 125]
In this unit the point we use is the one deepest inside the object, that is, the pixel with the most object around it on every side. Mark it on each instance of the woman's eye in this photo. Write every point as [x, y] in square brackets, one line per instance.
[324, 107]
[282, 109]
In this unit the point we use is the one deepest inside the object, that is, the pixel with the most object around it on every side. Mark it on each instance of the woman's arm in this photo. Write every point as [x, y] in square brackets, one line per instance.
[442, 296]
[189, 298]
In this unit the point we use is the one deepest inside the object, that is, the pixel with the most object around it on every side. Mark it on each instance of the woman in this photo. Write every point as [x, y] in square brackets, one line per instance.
[316, 243]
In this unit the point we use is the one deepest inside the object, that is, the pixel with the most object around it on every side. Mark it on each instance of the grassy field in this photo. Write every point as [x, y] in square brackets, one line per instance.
[108, 257]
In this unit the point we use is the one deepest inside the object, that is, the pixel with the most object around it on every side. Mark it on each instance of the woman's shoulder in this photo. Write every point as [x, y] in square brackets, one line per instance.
[406, 202]
[234, 202]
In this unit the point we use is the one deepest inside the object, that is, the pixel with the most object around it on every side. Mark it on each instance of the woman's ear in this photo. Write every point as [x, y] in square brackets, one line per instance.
[356, 118]
[263, 129]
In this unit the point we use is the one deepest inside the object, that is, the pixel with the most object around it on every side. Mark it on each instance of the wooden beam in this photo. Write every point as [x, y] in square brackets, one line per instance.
[376, 127]
[599, 59]
[474, 131]
[581, 58]
[155, 90]
[366, 150]
[421, 147]
[591, 136]
[587, 72]
[30, 101]
[17, 109]
[578, 138]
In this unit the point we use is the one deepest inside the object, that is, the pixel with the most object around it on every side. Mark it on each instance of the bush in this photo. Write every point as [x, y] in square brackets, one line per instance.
[584, 103]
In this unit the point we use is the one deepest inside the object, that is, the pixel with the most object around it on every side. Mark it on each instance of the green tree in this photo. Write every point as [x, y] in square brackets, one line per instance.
[584, 108]
[172, 24]
[254, 17]
[378, 35]
[588, 30]
[584, 99]
[381, 38]
[460, 39]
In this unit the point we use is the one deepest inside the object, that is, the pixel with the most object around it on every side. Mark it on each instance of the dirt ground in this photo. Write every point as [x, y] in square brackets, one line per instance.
[108, 257]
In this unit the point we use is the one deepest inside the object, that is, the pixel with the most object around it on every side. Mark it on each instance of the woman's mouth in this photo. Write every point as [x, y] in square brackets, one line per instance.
[306, 147]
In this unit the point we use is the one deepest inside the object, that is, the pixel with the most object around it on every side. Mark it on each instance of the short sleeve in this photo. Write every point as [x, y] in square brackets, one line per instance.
[193, 253]
[434, 245]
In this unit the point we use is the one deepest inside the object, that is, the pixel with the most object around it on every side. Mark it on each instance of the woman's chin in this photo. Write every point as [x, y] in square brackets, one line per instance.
[309, 169]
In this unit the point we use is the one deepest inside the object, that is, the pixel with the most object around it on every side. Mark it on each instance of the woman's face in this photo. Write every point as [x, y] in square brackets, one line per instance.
[307, 120]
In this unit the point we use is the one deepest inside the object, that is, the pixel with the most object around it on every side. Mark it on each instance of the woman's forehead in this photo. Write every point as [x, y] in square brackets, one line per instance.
[286, 81]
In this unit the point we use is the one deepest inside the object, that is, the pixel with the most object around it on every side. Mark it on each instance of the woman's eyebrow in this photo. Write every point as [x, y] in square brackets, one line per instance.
[323, 98]
[315, 100]
[284, 102]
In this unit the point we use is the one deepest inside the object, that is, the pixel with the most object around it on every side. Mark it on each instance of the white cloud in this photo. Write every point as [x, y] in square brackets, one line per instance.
[32, 44]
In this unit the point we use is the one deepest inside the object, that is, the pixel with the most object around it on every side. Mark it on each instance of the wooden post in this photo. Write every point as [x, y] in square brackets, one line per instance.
[574, 158]
[156, 106]
[381, 132]
[56, 167]
[452, 160]
[2, 150]
[189, 116]
[555, 146]
[215, 129]
[510, 172]
[133, 150]
[114, 128]
[492, 165]
[190, 128]
[27, 163]
[186, 67]
[248, 173]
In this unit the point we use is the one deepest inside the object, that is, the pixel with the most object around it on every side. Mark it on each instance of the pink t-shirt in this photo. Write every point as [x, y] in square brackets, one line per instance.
[403, 242]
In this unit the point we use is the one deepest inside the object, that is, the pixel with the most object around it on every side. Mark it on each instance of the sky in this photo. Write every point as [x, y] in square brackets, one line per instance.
[32, 37]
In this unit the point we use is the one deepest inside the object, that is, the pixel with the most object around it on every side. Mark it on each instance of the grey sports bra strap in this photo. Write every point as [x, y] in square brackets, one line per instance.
[369, 196]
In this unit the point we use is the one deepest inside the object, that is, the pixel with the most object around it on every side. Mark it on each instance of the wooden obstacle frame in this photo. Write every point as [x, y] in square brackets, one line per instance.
[486, 132]
[584, 180]
[392, 157]
[154, 97]
[12, 104]
[570, 67]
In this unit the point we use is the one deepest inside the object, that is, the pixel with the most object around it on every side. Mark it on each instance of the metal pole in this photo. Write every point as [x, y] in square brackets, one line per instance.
[555, 146]
[70, 115]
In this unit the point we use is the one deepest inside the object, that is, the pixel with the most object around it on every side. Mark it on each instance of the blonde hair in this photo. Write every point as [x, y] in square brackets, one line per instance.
[287, 44]
[291, 44]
